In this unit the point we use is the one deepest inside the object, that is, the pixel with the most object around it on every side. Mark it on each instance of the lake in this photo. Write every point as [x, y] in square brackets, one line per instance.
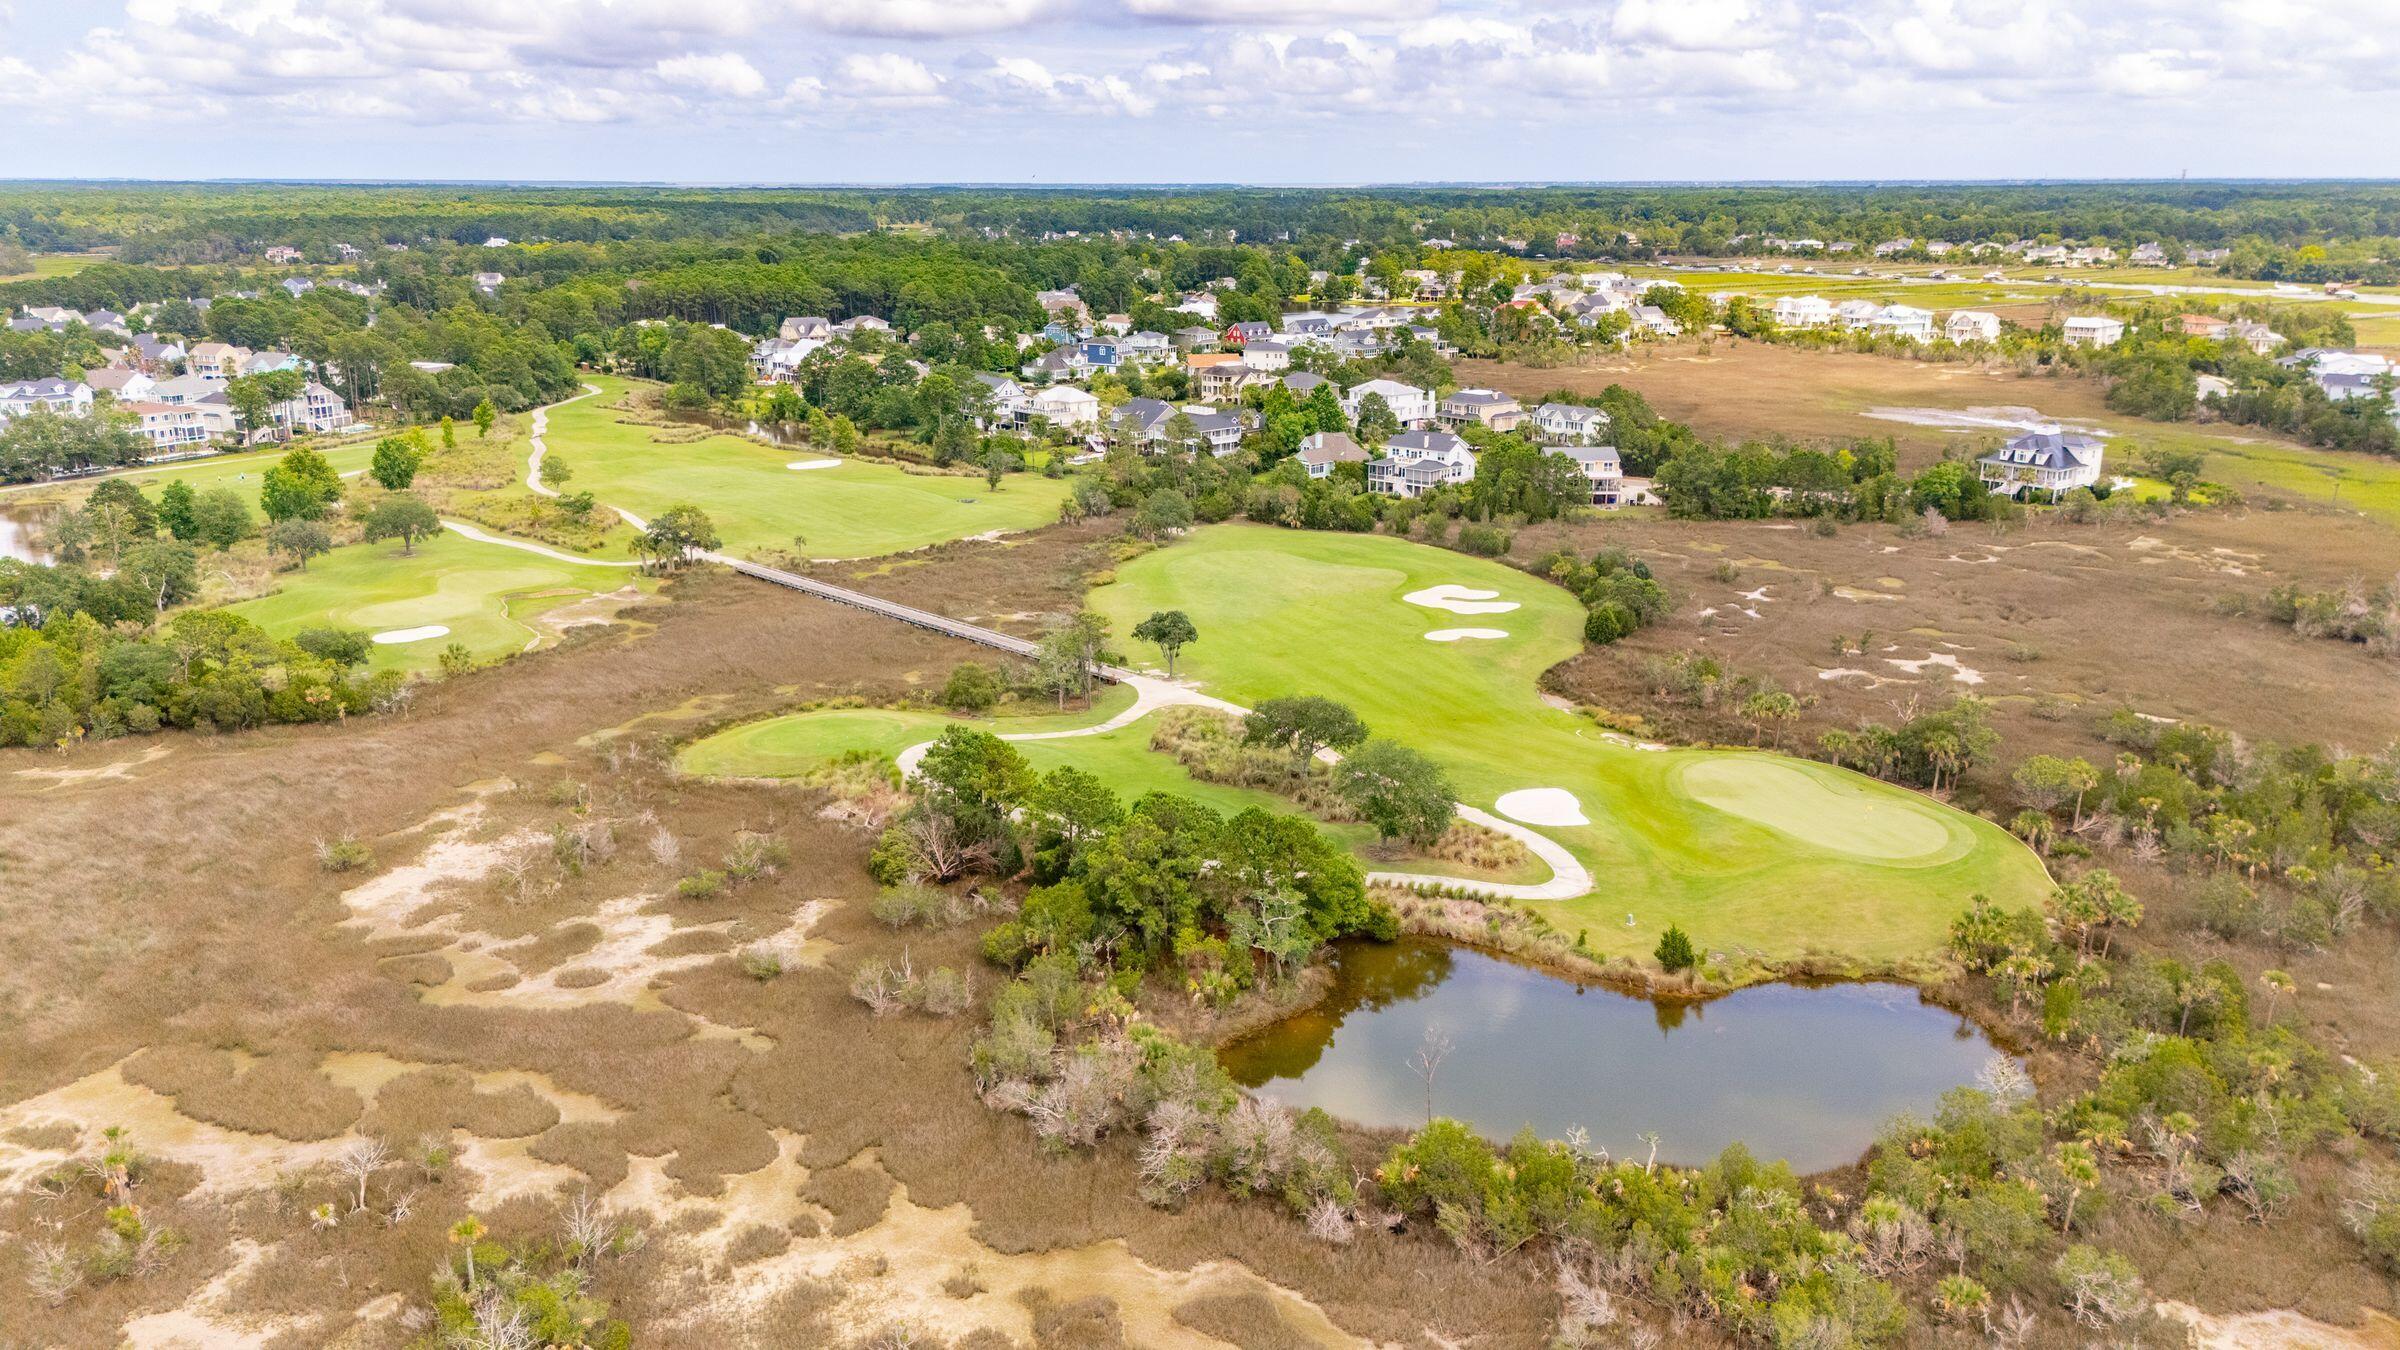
[19, 527]
[1807, 1073]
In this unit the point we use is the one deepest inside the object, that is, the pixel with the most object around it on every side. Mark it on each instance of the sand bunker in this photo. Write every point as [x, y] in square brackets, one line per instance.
[814, 464]
[1460, 599]
[1461, 634]
[400, 635]
[1542, 806]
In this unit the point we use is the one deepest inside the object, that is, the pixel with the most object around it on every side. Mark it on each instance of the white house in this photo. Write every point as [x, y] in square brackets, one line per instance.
[1411, 406]
[126, 384]
[2093, 330]
[169, 427]
[1972, 325]
[1904, 321]
[488, 282]
[72, 398]
[316, 409]
[1008, 402]
[806, 327]
[1601, 466]
[1570, 422]
[1417, 462]
[2050, 460]
[1066, 405]
[1857, 313]
[1803, 311]
[1266, 355]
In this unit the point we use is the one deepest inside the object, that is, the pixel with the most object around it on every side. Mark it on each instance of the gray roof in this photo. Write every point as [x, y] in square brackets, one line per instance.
[1585, 454]
[1479, 397]
[1302, 382]
[2048, 450]
[1424, 443]
[1331, 447]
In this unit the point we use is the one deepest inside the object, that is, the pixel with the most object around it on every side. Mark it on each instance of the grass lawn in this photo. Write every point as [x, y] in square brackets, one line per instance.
[485, 594]
[863, 508]
[48, 265]
[1746, 850]
[242, 472]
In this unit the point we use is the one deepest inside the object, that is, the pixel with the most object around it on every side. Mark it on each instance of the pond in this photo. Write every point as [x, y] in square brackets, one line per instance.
[1807, 1073]
[20, 528]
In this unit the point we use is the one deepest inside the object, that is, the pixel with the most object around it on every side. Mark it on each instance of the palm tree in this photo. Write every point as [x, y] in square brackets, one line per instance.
[2080, 1170]
[466, 1233]
[2277, 984]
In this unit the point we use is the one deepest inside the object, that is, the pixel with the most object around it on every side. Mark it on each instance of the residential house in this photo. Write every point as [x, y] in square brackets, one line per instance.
[299, 286]
[496, 241]
[1321, 450]
[437, 367]
[1803, 311]
[1655, 320]
[1570, 422]
[1200, 303]
[260, 363]
[283, 255]
[1856, 313]
[107, 321]
[1147, 422]
[1972, 325]
[1100, 356]
[776, 360]
[1602, 468]
[1056, 365]
[2046, 253]
[2259, 338]
[123, 383]
[1905, 322]
[2206, 387]
[1483, 407]
[316, 409]
[860, 323]
[1221, 381]
[1412, 408]
[2149, 255]
[215, 360]
[2093, 330]
[2094, 255]
[1416, 462]
[2202, 325]
[1064, 405]
[170, 428]
[1302, 383]
[71, 398]
[2207, 257]
[1006, 403]
[186, 389]
[156, 354]
[1240, 334]
[2050, 460]
[1145, 348]
[1267, 356]
[488, 282]
[1194, 338]
[805, 328]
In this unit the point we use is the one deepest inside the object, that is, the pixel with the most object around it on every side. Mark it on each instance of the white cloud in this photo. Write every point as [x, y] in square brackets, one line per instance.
[921, 18]
[722, 73]
[1288, 12]
[887, 75]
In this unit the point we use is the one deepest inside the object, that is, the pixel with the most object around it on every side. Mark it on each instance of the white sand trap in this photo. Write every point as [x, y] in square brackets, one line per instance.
[1460, 599]
[1461, 634]
[1542, 806]
[400, 635]
[814, 464]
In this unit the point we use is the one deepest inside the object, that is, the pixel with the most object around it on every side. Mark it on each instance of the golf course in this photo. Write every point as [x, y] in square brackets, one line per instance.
[486, 597]
[1746, 850]
[836, 508]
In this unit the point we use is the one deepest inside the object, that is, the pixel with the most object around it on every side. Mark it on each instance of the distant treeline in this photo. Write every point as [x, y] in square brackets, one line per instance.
[2279, 229]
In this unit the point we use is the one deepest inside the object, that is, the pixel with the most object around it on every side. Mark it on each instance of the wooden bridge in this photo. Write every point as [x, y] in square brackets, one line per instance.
[908, 614]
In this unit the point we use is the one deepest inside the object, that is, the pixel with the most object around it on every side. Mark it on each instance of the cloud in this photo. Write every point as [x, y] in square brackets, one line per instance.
[888, 76]
[723, 73]
[921, 18]
[1286, 12]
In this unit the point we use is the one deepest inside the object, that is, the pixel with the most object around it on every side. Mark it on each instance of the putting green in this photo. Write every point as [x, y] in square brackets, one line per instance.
[487, 595]
[1825, 810]
[1760, 853]
[859, 508]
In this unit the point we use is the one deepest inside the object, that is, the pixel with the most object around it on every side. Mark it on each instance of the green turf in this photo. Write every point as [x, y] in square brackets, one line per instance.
[1287, 612]
[242, 472]
[485, 594]
[865, 508]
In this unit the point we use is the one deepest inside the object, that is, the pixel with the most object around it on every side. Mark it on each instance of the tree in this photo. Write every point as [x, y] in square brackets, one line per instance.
[256, 397]
[118, 516]
[677, 533]
[995, 464]
[2044, 781]
[1162, 513]
[220, 518]
[953, 442]
[485, 415]
[175, 510]
[2277, 984]
[167, 570]
[1769, 705]
[1402, 793]
[1304, 724]
[344, 647]
[300, 486]
[972, 688]
[1069, 649]
[449, 432]
[556, 470]
[395, 464]
[403, 517]
[1675, 952]
[299, 540]
[1170, 630]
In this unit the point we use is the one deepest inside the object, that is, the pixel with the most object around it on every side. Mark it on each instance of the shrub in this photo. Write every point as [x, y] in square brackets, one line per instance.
[756, 855]
[2100, 1288]
[900, 906]
[972, 688]
[701, 885]
[345, 854]
[1484, 541]
[760, 962]
[1675, 951]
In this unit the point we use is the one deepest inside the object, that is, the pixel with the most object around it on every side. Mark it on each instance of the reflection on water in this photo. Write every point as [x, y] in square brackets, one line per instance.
[21, 529]
[1804, 1073]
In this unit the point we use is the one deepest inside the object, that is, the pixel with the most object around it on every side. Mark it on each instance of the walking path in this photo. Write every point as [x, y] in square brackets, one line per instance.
[484, 537]
[540, 429]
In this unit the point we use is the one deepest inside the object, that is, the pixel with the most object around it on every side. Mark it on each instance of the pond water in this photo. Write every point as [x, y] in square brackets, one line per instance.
[20, 527]
[1804, 1073]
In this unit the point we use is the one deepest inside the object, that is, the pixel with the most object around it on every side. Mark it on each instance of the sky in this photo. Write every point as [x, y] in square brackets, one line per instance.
[1150, 91]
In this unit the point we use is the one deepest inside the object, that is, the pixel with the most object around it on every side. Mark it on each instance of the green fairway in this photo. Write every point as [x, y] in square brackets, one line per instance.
[487, 595]
[860, 508]
[242, 472]
[1759, 853]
